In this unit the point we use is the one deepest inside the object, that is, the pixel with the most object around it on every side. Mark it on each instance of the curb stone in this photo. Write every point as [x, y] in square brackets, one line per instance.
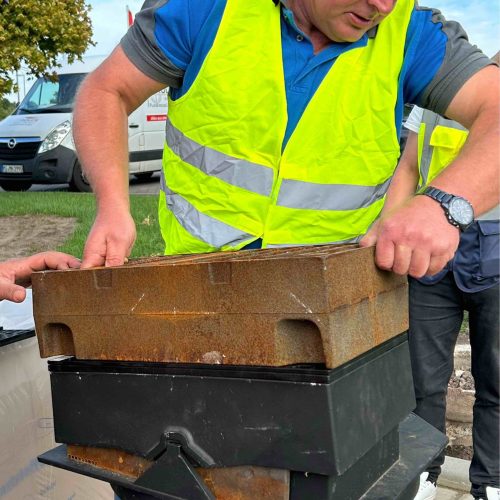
[455, 475]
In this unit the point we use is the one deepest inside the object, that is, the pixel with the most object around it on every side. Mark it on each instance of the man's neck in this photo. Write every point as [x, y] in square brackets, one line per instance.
[318, 39]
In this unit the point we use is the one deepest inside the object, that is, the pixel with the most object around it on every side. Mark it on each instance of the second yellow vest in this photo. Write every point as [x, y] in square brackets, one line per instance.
[439, 142]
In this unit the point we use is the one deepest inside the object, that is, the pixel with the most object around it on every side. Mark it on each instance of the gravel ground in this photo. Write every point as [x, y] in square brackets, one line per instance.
[28, 234]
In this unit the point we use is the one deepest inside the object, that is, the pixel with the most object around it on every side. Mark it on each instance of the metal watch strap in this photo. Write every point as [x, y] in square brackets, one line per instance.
[444, 199]
[440, 196]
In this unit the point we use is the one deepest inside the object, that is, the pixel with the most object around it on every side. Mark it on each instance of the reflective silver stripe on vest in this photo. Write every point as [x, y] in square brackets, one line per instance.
[309, 195]
[202, 226]
[430, 119]
[235, 171]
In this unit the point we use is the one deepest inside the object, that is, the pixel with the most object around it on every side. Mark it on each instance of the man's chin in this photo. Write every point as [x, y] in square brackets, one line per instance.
[346, 38]
[346, 35]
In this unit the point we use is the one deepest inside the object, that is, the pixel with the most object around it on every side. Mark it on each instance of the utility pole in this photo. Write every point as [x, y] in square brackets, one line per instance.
[17, 85]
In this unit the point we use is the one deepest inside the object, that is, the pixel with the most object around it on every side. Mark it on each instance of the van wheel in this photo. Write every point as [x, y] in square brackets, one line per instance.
[15, 185]
[143, 176]
[78, 181]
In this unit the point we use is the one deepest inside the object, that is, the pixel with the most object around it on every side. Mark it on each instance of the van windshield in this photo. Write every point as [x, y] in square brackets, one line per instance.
[51, 97]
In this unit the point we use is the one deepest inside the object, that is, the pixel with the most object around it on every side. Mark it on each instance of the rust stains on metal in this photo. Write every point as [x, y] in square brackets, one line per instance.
[247, 483]
[228, 483]
[312, 304]
[109, 459]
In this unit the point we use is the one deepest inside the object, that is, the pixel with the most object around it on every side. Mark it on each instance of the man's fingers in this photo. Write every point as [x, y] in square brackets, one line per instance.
[12, 292]
[92, 259]
[94, 253]
[405, 260]
[114, 260]
[369, 239]
[113, 254]
[407, 240]
[68, 263]
[63, 265]
[402, 259]
[419, 265]
[384, 254]
[53, 260]
[437, 263]
[117, 253]
[15, 274]
[110, 241]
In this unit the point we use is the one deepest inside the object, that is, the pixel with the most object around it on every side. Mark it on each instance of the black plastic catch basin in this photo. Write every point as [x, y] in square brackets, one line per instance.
[299, 417]
[338, 431]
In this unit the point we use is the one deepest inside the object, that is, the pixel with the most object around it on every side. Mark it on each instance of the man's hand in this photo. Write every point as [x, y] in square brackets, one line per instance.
[15, 274]
[415, 239]
[110, 240]
[100, 130]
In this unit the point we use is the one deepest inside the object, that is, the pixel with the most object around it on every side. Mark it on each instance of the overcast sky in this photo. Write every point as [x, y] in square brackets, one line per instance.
[480, 18]
[109, 22]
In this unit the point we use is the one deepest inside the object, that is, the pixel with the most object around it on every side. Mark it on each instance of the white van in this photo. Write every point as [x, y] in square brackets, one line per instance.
[36, 143]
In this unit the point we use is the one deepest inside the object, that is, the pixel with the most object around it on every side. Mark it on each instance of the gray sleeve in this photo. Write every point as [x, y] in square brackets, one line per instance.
[139, 45]
[461, 61]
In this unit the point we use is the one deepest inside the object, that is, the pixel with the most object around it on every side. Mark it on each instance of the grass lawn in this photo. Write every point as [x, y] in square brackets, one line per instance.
[82, 207]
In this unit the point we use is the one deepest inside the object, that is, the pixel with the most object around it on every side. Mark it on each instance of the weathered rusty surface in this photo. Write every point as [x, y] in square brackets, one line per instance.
[323, 304]
[110, 459]
[230, 483]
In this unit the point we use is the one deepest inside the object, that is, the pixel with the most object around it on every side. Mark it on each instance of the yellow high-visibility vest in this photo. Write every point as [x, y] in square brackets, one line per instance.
[439, 142]
[226, 181]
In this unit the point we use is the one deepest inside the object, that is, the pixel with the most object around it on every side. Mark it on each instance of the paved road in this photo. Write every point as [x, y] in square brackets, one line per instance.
[148, 186]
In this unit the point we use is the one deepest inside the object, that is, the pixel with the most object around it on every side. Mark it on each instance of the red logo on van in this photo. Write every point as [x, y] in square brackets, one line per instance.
[156, 118]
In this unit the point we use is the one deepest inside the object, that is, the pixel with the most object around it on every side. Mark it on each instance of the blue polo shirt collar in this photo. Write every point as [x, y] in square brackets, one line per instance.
[329, 53]
[288, 15]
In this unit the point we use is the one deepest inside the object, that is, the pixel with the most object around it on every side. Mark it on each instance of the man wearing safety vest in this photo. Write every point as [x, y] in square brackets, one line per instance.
[470, 281]
[283, 125]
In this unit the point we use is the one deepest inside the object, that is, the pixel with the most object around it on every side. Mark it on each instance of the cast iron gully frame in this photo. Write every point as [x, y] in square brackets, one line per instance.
[419, 444]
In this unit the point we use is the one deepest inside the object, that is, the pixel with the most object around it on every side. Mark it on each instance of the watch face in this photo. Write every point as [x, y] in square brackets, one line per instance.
[461, 211]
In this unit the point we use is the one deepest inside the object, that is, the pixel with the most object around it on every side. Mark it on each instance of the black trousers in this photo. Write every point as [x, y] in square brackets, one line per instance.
[436, 314]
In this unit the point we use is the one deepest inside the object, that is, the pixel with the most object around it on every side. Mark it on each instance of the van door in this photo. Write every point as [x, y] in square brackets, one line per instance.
[155, 109]
[136, 143]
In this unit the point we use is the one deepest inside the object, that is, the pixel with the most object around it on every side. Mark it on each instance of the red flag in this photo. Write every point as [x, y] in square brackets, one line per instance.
[130, 17]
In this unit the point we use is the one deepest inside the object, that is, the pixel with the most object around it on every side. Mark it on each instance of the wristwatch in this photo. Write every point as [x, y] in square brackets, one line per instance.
[458, 210]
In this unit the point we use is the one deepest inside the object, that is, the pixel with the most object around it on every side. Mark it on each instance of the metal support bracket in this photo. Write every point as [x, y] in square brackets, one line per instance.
[173, 473]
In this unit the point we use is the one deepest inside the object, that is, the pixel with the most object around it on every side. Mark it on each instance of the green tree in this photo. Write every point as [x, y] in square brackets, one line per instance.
[34, 34]
[6, 107]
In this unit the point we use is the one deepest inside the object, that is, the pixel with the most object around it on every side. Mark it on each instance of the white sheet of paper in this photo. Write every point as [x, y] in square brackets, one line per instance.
[15, 316]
